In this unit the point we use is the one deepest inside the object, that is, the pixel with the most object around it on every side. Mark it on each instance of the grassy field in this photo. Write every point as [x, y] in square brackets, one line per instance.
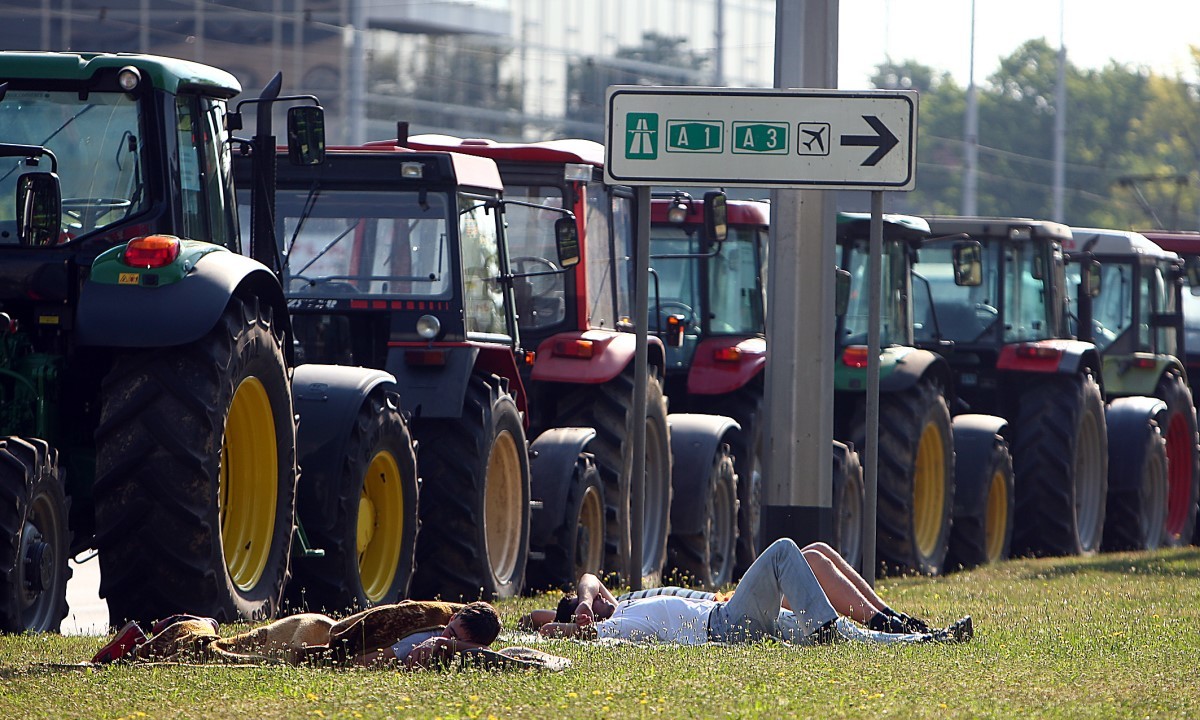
[1103, 637]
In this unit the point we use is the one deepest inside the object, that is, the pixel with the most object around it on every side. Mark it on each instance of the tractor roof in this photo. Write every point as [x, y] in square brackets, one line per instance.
[170, 74]
[1009, 228]
[1184, 242]
[740, 212]
[1115, 242]
[904, 227]
[377, 165]
[564, 151]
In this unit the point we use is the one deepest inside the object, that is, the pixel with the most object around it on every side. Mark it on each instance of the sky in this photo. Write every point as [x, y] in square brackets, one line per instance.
[1151, 33]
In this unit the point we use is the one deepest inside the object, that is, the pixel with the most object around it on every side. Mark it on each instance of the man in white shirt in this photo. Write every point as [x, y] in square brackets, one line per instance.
[787, 593]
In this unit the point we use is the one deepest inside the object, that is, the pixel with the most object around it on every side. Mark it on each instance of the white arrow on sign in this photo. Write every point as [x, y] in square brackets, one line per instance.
[761, 137]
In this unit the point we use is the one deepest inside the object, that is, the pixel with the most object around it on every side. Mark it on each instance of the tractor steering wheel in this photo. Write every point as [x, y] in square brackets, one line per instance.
[86, 211]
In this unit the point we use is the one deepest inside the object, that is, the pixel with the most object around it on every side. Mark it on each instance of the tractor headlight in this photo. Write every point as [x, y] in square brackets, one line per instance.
[428, 327]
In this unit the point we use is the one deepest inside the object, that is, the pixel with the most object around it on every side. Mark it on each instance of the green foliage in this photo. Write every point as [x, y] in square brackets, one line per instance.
[1100, 637]
[1132, 143]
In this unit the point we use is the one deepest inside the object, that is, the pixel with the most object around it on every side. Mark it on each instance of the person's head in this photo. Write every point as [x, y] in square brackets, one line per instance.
[602, 609]
[478, 622]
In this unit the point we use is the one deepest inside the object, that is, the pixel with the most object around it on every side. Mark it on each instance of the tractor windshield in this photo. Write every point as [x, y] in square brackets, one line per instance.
[1011, 298]
[96, 138]
[1128, 300]
[734, 299]
[367, 242]
[893, 308]
[532, 250]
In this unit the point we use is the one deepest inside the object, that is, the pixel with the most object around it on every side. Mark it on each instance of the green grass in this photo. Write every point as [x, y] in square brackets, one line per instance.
[1107, 636]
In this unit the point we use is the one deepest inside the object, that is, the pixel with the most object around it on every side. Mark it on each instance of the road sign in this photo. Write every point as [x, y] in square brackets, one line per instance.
[856, 140]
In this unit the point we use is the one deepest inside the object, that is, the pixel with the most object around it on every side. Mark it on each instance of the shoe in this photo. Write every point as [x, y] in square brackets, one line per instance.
[912, 624]
[827, 634]
[126, 639]
[959, 631]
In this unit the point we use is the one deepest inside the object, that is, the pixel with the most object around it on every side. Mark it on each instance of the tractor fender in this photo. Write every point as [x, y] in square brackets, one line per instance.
[710, 376]
[552, 458]
[1123, 377]
[974, 437]
[433, 392]
[143, 316]
[1128, 420]
[695, 439]
[913, 367]
[327, 399]
[608, 356]
[1063, 357]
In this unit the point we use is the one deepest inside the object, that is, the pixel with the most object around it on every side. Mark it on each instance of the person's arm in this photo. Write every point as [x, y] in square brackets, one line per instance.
[588, 589]
[534, 619]
[436, 651]
[568, 630]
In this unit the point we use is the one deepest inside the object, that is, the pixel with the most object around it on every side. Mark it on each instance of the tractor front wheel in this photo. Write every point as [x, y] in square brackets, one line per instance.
[707, 558]
[370, 545]
[984, 535]
[34, 538]
[577, 545]
[196, 474]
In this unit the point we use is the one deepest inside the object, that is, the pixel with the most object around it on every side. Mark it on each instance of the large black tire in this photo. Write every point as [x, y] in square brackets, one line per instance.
[1060, 464]
[706, 558]
[1135, 518]
[849, 494]
[984, 535]
[745, 407]
[34, 538]
[196, 474]
[474, 541]
[915, 476]
[577, 545]
[608, 408]
[1183, 459]
[370, 540]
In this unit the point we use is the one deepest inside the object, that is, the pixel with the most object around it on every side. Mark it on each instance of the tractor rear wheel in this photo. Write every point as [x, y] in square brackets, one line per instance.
[915, 477]
[1183, 455]
[577, 545]
[474, 540]
[849, 494]
[196, 474]
[370, 543]
[707, 558]
[984, 535]
[1135, 519]
[1060, 462]
[34, 538]
[608, 408]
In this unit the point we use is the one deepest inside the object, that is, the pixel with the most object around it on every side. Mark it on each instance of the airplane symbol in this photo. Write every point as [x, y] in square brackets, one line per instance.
[817, 137]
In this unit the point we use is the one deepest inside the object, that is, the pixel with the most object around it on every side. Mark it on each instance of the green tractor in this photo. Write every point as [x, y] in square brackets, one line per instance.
[145, 369]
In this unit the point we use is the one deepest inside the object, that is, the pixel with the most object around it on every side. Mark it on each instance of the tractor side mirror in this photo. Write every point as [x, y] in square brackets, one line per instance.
[1089, 278]
[968, 264]
[39, 208]
[716, 217]
[306, 135]
[841, 291]
[566, 241]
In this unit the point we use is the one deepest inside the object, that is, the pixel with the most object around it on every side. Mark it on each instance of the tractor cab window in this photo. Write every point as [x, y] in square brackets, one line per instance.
[736, 302]
[531, 249]
[483, 295]
[1027, 274]
[602, 255]
[677, 291]
[1112, 309]
[960, 313]
[96, 137]
[893, 306]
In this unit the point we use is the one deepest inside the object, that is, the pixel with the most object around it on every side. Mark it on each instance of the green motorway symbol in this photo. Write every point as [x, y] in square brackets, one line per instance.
[694, 136]
[641, 136]
[762, 138]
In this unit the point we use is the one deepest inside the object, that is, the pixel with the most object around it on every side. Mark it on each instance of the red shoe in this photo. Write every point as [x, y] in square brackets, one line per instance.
[126, 640]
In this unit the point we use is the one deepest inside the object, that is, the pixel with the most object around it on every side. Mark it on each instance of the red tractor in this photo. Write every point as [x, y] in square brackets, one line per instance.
[579, 319]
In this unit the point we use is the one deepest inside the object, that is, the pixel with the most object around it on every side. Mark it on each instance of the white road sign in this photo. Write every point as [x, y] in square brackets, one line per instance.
[856, 140]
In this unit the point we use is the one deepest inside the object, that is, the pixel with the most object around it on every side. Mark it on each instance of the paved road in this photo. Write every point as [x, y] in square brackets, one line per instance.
[87, 612]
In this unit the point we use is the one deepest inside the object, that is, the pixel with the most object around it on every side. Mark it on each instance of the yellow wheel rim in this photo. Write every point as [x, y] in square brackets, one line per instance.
[502, 508]
[380, 526]
[929, 490]
[996, 518]
[249, 478]
[589, 543]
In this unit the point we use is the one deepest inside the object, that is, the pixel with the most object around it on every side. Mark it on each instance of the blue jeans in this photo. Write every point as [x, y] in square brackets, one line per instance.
[753, 611]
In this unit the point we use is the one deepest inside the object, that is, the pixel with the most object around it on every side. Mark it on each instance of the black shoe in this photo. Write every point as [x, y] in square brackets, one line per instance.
[827, 634]
[912, 624]
[959, 631]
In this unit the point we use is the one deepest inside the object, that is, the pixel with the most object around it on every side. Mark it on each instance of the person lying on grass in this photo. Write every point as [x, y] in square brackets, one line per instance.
[787, 593]
[410, 634]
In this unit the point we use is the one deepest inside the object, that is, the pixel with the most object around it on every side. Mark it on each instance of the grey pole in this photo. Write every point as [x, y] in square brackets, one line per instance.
[798, 403]
[871, 461]
[637, 485]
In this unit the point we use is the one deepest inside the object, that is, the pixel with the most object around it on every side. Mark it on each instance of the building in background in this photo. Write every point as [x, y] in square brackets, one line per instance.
[509, 69]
